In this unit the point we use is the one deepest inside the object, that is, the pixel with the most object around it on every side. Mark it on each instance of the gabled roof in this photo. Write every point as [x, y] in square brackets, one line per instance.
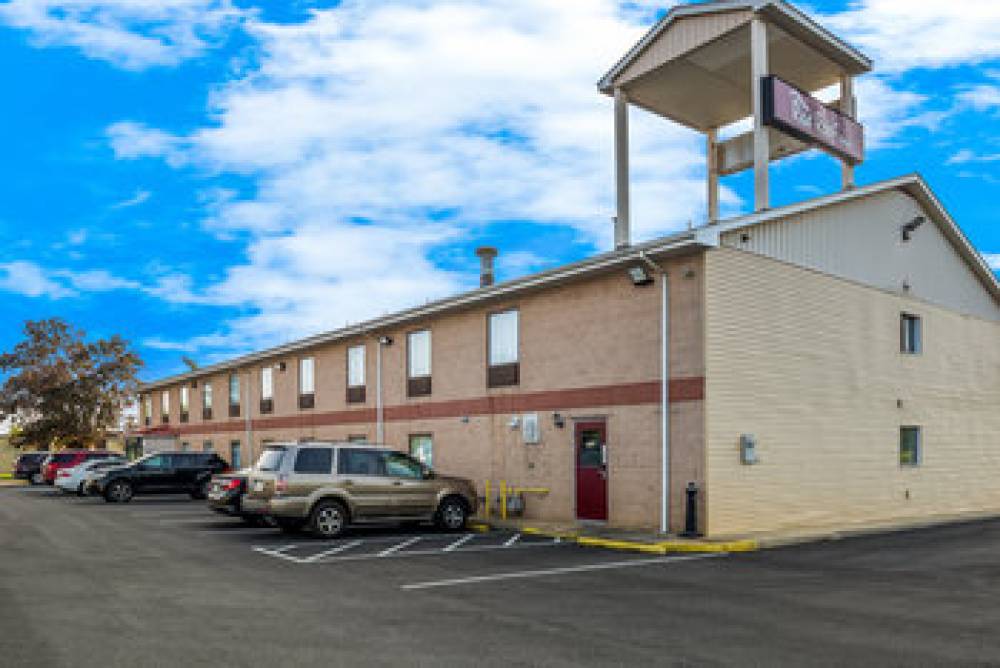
[706, 236]
[779, 12]
[912, 184]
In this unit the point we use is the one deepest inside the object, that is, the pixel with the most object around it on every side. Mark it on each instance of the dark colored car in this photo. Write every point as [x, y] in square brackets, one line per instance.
[67, 459]
[162, 473]
[225, 496]
[29, 466]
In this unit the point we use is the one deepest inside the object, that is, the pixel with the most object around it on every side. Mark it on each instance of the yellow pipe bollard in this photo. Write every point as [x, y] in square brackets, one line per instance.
[503, 500]
[486, 495]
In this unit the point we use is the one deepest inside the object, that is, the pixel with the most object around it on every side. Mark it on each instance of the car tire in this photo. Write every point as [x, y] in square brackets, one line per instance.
[119, 491]
[328, 519]
[201, 491]
[287, 525]
[452, 514]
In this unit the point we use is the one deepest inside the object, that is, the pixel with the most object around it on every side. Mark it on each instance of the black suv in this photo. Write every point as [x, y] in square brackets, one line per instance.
[162, 473]
[29, 466]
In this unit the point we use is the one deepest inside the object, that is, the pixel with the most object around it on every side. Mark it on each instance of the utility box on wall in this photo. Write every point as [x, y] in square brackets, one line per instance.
[748, 449]
[530, 431]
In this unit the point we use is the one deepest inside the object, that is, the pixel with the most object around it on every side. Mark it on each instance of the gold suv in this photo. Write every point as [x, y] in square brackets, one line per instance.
[328, 486]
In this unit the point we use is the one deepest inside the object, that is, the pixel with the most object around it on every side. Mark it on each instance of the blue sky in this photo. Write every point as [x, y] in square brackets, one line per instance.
[208, 177]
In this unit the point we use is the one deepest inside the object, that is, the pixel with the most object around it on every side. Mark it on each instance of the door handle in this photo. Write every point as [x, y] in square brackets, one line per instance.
[397, 483]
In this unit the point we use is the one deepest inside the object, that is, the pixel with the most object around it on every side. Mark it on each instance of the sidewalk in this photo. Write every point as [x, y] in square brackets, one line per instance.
[591, 535]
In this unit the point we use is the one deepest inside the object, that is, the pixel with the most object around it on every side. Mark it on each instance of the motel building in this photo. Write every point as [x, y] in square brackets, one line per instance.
[829, 364]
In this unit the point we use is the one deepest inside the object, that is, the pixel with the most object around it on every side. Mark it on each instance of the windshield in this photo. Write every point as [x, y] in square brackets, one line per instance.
[270, 459]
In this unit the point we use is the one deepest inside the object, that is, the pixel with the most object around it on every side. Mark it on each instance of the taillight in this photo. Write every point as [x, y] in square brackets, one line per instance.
[62, 472]
[233, 484]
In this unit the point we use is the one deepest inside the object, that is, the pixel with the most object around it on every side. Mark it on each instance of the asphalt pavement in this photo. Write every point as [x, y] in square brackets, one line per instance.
[165, 582]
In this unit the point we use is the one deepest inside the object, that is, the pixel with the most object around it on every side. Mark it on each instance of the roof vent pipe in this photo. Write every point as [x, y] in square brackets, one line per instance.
[486, 255]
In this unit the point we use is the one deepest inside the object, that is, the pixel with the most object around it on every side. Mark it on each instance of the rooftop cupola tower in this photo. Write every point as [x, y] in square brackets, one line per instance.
[708, 65]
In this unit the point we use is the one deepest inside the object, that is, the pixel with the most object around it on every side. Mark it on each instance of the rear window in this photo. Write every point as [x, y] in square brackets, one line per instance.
[314, 460]
[63, 457]
[360, 462]
[32, 458]
[270, 459]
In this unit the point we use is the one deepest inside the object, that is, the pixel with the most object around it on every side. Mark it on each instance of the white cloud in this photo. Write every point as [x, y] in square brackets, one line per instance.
[94, 280]
[902, 35]
[966, 156]
[981, 97]
[133, 34]
[993, 260]
[377, 131]
[140, 197]
[29, 279]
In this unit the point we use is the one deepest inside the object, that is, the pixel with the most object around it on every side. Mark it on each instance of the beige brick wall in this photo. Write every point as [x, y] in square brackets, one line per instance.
[810, 365]
[601, 331]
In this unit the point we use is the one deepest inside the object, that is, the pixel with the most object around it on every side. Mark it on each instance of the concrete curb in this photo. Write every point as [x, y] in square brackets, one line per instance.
[655, 547]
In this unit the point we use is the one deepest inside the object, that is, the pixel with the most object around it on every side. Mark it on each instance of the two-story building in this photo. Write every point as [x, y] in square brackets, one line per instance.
[830, 363]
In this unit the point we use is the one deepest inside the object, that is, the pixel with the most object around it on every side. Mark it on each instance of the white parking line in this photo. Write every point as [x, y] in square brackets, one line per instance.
[555, 571]
[512, 540]
[400, 546]
[430, 553]
[336, 550]
[459, 543]
[279, 553]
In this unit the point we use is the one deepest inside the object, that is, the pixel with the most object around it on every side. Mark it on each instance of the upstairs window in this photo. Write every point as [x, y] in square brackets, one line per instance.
[206, 401]
[147, 409]
[307, 382]
[266, 389]
[165, 406]
[356, 374]
[910, 334]
[234, 395]
[418, 352]
[910, 446]
[185, 403]
[504, 353]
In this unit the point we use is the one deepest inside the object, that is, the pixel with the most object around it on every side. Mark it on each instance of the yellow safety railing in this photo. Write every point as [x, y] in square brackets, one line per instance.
[506, 491]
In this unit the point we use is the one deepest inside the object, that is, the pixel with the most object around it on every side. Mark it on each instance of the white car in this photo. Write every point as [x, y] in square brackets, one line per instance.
[72, 480]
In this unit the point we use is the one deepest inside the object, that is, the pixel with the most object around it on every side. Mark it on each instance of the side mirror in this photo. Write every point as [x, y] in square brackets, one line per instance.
[428, 474]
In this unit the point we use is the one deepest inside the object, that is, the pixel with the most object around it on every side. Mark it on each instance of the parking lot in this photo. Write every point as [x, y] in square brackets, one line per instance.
[163, 581]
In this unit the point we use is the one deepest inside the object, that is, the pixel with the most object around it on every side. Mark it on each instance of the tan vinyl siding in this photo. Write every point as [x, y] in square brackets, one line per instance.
[810, 365]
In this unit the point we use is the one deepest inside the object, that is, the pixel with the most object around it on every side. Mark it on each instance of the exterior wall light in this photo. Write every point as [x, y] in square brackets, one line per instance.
[558, 420]
[639, 276]
[911, 226]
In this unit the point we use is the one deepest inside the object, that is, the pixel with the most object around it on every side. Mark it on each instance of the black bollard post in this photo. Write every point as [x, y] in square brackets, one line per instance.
[691, 512]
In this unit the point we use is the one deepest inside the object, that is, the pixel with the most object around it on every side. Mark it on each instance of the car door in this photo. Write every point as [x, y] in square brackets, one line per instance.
[362, 476]
[412, 494]
[152, 474]
[185, 471]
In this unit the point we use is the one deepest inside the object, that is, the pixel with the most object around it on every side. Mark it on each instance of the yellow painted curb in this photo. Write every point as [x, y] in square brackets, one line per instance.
[565, 535]
[665, 547]
[479, 527]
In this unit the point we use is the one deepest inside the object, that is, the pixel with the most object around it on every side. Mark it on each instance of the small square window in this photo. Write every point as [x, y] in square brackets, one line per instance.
[910, 334]
[910, 446]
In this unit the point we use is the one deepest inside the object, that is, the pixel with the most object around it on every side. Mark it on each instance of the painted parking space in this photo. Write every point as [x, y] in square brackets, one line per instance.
[373, 547]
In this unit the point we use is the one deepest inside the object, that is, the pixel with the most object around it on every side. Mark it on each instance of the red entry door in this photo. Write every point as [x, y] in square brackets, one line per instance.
[591, 471]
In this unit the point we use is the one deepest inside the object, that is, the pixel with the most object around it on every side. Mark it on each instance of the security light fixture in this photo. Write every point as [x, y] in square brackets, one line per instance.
[911, 226]
[639, 275]
[385, 340]
[280, 366]
[558, 420]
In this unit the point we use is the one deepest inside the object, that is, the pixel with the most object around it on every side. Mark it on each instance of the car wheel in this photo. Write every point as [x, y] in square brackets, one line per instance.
[288, 525]
[452, 514]
[202, 490]
[119, 491]
[328, 519]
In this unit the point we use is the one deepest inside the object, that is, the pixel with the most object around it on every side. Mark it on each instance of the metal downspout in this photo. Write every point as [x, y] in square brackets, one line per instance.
[664, 392]
[379, 435]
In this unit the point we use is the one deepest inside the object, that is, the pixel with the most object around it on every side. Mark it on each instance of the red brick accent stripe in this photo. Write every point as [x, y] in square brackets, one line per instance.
[629, 394]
